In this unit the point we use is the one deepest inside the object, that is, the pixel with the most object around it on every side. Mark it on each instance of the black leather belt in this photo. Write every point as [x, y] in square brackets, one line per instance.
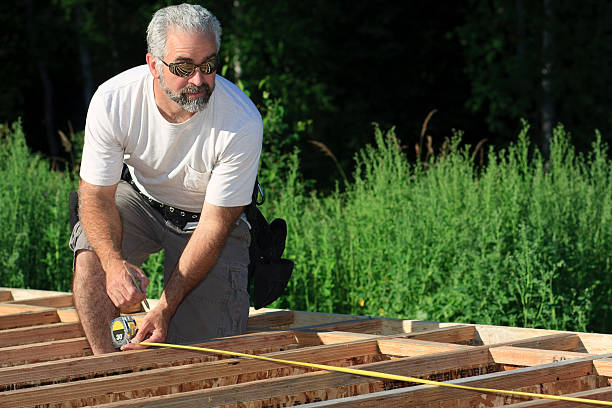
[176, 216]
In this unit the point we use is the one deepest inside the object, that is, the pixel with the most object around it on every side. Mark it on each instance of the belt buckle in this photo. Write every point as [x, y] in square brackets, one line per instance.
[190, 226]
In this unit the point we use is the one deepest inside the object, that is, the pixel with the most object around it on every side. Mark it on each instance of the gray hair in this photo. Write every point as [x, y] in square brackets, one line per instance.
[184, 17]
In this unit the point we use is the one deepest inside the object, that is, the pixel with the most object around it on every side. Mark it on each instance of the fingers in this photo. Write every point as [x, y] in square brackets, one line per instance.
[116, 296]
[142, 333]
[139, 275]
[123, 293]
[154, 328]
[123, 287]
[156, 336]
[133, 346]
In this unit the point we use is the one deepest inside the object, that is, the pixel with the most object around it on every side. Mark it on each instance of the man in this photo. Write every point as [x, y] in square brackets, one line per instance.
[191, 141]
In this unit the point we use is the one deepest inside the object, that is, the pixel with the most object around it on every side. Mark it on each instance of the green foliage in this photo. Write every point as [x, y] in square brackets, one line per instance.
[279, 140]
[34, 236]
[517, 242]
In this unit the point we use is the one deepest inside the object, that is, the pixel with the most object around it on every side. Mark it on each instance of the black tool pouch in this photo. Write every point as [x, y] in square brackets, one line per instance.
[268, 272]
[73, 208]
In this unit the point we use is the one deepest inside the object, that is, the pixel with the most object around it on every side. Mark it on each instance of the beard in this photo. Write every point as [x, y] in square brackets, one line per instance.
[189, 104]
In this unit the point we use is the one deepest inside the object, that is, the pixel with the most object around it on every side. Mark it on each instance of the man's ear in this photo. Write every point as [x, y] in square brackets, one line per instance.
[152, 65]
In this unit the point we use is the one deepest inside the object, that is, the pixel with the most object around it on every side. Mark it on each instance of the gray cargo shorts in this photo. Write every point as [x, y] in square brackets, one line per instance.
[219, 305]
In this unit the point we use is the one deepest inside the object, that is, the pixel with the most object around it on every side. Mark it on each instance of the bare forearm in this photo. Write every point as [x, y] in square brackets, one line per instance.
[102, 224]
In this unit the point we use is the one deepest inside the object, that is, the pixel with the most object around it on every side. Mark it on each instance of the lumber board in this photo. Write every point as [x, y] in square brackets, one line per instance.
[603, 366]
[594, 343]
[457, 334]
[303, 320]
[452, 334]
[69, 314]
[496, 334]
[364, 326]
[342, 396]
[399, 326]
[25, 319]
[289, 391]
[412, 347]
[5, 295]
[19, 293]
[307, 338]
[307, 319]
[556, 341]
[41, 333]
[48, 301]
[45, 351]
[12, 308]
[523, 356]
[281, 319]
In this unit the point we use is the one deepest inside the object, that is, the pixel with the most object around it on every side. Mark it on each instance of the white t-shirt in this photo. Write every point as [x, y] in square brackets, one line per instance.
[214, 155]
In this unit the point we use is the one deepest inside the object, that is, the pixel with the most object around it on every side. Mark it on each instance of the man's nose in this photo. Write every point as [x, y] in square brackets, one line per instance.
[197, 78]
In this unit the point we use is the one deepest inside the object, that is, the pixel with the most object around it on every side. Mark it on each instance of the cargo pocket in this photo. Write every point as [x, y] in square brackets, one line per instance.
[217, 307]
[195, 180]
[238, 305]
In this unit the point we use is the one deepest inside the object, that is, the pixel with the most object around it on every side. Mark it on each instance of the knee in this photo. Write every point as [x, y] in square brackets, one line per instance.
[86, 265]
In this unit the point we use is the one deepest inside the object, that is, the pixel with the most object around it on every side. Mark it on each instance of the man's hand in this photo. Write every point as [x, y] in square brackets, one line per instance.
[154, 329]
[122, 283]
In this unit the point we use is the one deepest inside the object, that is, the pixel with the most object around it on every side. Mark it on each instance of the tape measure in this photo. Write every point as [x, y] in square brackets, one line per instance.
[123, 329]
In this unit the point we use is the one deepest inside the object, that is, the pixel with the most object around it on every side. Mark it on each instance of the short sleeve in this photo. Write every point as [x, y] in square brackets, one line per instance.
[233, 177]
[102, 158]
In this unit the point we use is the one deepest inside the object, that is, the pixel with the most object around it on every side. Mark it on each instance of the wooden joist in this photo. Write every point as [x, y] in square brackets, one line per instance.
[46, 361]
[40, 333]
[28, 318]
[5, 295]
[48, 301]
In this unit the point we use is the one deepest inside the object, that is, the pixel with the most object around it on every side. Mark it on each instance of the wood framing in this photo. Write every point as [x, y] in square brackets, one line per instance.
[45, 361]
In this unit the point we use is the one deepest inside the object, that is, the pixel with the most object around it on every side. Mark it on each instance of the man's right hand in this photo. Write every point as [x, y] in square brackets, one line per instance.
[122, 280]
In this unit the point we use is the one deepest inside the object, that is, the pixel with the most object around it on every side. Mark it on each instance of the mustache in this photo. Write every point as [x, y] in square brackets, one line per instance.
[191, 89]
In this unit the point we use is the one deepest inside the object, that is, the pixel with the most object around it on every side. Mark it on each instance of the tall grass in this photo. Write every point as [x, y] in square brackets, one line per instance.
[34, 235]
[516, 241]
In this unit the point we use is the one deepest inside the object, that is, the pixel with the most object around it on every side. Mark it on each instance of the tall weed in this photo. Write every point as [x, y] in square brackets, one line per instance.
[516, 242]
[34, 236]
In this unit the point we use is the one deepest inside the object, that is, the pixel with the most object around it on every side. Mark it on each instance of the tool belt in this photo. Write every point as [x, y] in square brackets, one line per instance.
[269, 274]
[176, 216]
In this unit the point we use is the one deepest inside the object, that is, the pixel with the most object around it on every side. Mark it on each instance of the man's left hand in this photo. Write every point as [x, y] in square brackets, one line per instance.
[154, 329]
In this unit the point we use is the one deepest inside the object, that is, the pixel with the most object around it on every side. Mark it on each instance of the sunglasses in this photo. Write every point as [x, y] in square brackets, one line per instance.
[186, 69]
